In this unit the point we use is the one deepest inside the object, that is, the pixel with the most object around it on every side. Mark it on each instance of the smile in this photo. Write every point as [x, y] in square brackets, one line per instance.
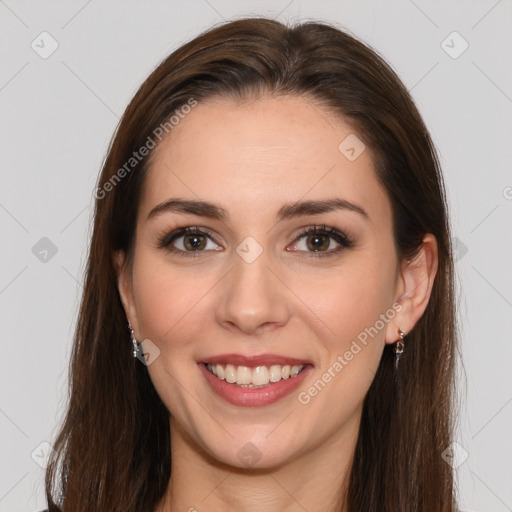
[257, 377]
[249, 394]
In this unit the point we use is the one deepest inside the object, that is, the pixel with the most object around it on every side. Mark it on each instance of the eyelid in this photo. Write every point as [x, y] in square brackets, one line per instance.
[166, 240]
[343, 240]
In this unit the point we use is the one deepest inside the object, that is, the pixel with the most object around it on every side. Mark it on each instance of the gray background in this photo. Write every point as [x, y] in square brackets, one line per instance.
[58, 114]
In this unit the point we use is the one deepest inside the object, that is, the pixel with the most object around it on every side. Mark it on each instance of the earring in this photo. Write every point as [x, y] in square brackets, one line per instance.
[399, 348]
[134, 341]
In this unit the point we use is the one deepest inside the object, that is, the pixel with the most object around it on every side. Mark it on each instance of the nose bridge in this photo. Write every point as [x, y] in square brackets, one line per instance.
[252, 295]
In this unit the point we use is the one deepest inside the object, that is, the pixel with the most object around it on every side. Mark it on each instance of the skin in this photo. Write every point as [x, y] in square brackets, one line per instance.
[252, 158]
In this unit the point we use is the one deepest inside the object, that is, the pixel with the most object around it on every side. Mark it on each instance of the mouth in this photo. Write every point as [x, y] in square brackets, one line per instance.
[254, 380]
[257, 377]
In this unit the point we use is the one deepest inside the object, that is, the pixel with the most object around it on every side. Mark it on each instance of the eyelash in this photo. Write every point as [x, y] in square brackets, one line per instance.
[341, 238]
[344, 241]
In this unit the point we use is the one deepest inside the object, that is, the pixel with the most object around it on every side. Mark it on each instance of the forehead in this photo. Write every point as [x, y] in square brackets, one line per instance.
[253, 156]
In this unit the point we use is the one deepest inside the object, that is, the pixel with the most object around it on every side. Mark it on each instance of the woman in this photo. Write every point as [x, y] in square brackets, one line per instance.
[271, 225]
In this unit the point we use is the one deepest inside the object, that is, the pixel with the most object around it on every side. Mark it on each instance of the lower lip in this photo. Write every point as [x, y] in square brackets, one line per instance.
[251, 397]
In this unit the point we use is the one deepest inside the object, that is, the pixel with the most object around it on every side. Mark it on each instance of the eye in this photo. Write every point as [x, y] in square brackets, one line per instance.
[318, 241]
[190, 240]
[321, 241]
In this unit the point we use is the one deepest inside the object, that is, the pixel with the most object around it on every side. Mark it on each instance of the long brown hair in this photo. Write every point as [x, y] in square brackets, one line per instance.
[112, 452]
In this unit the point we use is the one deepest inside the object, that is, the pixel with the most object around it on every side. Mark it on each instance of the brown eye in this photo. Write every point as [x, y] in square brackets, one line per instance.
[317, 242]
[321, 241]
[189, 241]
[194, 242]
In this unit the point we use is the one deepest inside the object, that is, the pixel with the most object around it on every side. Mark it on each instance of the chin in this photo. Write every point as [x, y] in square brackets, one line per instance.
[255, 451]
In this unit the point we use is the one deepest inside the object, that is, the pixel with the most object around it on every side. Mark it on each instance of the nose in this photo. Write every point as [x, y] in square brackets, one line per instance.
[252, 297]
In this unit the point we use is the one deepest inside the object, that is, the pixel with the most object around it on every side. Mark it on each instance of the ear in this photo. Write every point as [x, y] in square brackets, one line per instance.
[124, 285]
[414, 287]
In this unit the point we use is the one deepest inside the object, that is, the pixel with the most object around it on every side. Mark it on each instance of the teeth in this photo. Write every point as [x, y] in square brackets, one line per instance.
[230, 374]
[294, 371]
[260, 376]
[275, 373]
[243, 375]
[254, 377]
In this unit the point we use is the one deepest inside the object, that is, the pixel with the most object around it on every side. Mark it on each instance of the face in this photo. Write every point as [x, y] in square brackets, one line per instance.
[290, 264]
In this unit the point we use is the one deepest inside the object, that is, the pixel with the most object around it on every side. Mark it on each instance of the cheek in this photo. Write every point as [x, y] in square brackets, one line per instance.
[171, 313]
[168, 299]
[350, 300]
[355, 307]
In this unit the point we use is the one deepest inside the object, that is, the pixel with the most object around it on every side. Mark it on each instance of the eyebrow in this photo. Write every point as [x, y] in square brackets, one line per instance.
[288, 211]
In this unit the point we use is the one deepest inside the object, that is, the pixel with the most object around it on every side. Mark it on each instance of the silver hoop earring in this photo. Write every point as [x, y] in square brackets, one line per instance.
[134, 341]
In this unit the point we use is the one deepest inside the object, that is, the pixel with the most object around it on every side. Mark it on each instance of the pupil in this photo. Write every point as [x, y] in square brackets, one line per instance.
[194, 242]
[318, 242]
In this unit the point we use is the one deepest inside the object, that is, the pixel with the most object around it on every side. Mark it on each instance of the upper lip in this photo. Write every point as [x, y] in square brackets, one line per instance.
[253, 361]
